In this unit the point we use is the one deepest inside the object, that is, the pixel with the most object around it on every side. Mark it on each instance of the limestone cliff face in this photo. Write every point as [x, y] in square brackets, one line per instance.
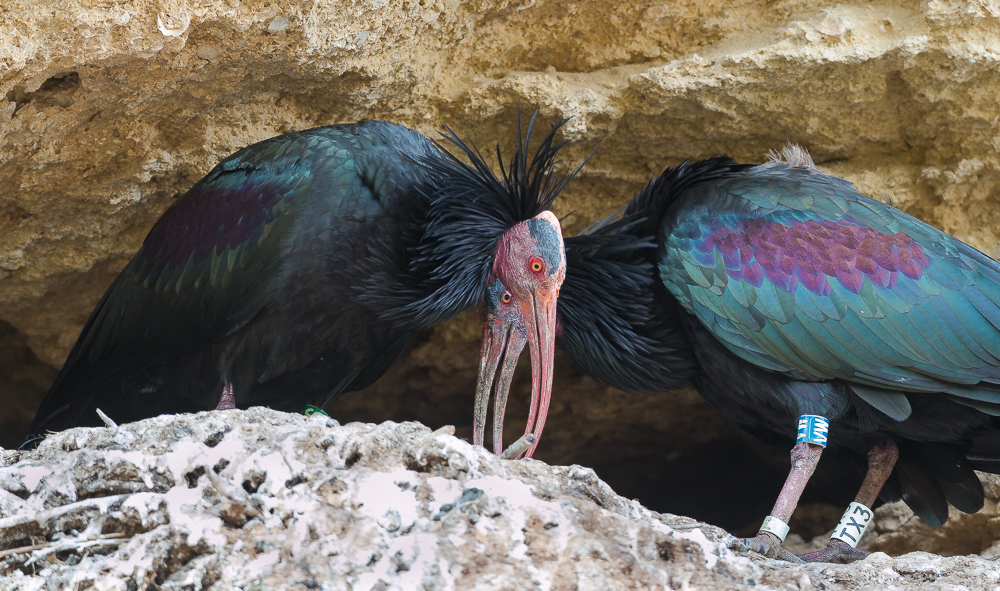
[111, 110]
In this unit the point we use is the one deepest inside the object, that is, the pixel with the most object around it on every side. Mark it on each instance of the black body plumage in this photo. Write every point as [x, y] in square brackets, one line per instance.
[299, 268]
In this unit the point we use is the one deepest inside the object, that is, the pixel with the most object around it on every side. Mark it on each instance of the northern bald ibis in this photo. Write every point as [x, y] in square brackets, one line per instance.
[300, 268]
[807, 314]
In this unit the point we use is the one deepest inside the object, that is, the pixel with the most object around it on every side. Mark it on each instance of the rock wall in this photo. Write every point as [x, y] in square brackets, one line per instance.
[111, 110]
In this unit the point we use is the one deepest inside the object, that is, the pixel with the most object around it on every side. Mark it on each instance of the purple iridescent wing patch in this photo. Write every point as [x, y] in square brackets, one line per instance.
[212, 217]
[807, 277]
[812, 252]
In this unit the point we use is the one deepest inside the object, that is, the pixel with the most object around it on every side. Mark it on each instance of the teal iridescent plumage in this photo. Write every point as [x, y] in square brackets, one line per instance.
[812, 279]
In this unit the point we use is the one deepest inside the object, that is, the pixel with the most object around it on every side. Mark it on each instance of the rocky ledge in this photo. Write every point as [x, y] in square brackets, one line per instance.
[259, 499]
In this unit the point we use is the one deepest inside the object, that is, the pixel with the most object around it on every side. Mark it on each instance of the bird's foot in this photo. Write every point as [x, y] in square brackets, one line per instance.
[769, 545]
[837, 552]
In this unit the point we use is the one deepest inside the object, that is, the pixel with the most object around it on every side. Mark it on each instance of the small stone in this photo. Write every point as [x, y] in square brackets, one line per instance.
[655, 13]
[209, 52]
[278, 24]
[469, 495]
[833, 25]
[390, 521]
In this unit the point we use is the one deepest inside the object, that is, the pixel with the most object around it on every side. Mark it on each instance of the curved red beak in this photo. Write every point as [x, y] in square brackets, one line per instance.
[504, 337]
[539, 314]
[505, 330]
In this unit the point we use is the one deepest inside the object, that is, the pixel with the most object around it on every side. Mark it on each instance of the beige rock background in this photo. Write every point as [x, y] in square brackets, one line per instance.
[113, 109]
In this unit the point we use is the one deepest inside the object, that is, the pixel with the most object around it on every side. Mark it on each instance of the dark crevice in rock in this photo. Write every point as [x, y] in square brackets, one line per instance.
[23, 382]
[56, 91]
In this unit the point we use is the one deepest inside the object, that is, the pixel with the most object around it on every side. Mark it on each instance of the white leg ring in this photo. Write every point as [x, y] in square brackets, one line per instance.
[774, 526]
[853, 524]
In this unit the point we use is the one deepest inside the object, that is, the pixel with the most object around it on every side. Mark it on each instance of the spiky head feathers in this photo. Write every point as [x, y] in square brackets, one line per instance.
[466, 211]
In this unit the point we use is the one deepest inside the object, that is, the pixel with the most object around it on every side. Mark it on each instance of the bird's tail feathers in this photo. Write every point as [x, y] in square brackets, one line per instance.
[930, 477]
[984, 454]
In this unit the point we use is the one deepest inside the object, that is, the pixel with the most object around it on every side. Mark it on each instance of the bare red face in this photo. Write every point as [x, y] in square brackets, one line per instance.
[531, 263]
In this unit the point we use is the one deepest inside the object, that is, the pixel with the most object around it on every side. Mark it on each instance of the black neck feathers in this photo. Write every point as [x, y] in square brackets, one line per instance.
[619, 323]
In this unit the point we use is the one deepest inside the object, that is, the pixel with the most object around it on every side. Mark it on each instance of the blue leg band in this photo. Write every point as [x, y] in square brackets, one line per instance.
[813, 429]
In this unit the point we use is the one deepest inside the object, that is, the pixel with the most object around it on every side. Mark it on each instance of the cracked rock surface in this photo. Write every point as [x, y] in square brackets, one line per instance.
[265, 500]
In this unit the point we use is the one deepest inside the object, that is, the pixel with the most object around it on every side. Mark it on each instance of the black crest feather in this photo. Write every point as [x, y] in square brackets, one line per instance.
[467, 209]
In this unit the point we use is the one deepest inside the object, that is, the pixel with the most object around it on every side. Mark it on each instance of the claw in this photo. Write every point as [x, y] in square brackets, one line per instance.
[769, 545]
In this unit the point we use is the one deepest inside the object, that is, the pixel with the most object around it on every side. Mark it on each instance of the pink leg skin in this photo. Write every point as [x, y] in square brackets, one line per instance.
[228, 401]
[805, 456]
[881, 460]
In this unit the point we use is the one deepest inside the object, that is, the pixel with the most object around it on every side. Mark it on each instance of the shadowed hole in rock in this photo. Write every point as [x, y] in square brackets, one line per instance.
[353, 458]
[180, 555]
[56, 91]
[19, 491]
[235, 515]
[193, 476]
[253, 480]
[23, 382]
[214, 439]
[294, 480]
[103, 479]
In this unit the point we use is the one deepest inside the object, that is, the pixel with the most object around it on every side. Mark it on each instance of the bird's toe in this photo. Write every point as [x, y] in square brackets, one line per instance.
[770, 546]
[837, 552]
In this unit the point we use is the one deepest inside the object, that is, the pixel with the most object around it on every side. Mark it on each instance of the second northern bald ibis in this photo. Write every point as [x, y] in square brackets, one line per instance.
[806, 313]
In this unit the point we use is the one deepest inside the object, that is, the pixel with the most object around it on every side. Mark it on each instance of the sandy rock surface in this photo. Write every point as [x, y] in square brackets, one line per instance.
[110, 110]
[265, 500]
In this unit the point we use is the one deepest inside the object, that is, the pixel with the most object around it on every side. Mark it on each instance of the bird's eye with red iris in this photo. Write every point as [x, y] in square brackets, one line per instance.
[537, 265]
[505, 298]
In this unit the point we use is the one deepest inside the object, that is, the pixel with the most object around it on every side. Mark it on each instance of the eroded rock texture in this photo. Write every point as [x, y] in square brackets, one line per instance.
[111, 110]
[266, 500]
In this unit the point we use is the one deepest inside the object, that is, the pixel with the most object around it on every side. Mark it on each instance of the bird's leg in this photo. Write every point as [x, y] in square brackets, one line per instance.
[228, 401]
[842, 547]
[772, 533]
[805, 456]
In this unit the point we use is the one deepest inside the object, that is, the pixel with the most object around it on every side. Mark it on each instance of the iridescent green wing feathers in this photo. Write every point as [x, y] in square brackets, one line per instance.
[797, 272]
[213, 257]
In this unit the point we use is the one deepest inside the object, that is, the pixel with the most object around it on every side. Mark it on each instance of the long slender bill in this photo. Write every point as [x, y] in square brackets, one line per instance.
[503, 339]
[516, 340]
[491, 352]
[540, 322]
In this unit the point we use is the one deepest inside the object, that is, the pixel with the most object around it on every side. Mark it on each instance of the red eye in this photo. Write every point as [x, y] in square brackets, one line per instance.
[537, 265]
[505, 298]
